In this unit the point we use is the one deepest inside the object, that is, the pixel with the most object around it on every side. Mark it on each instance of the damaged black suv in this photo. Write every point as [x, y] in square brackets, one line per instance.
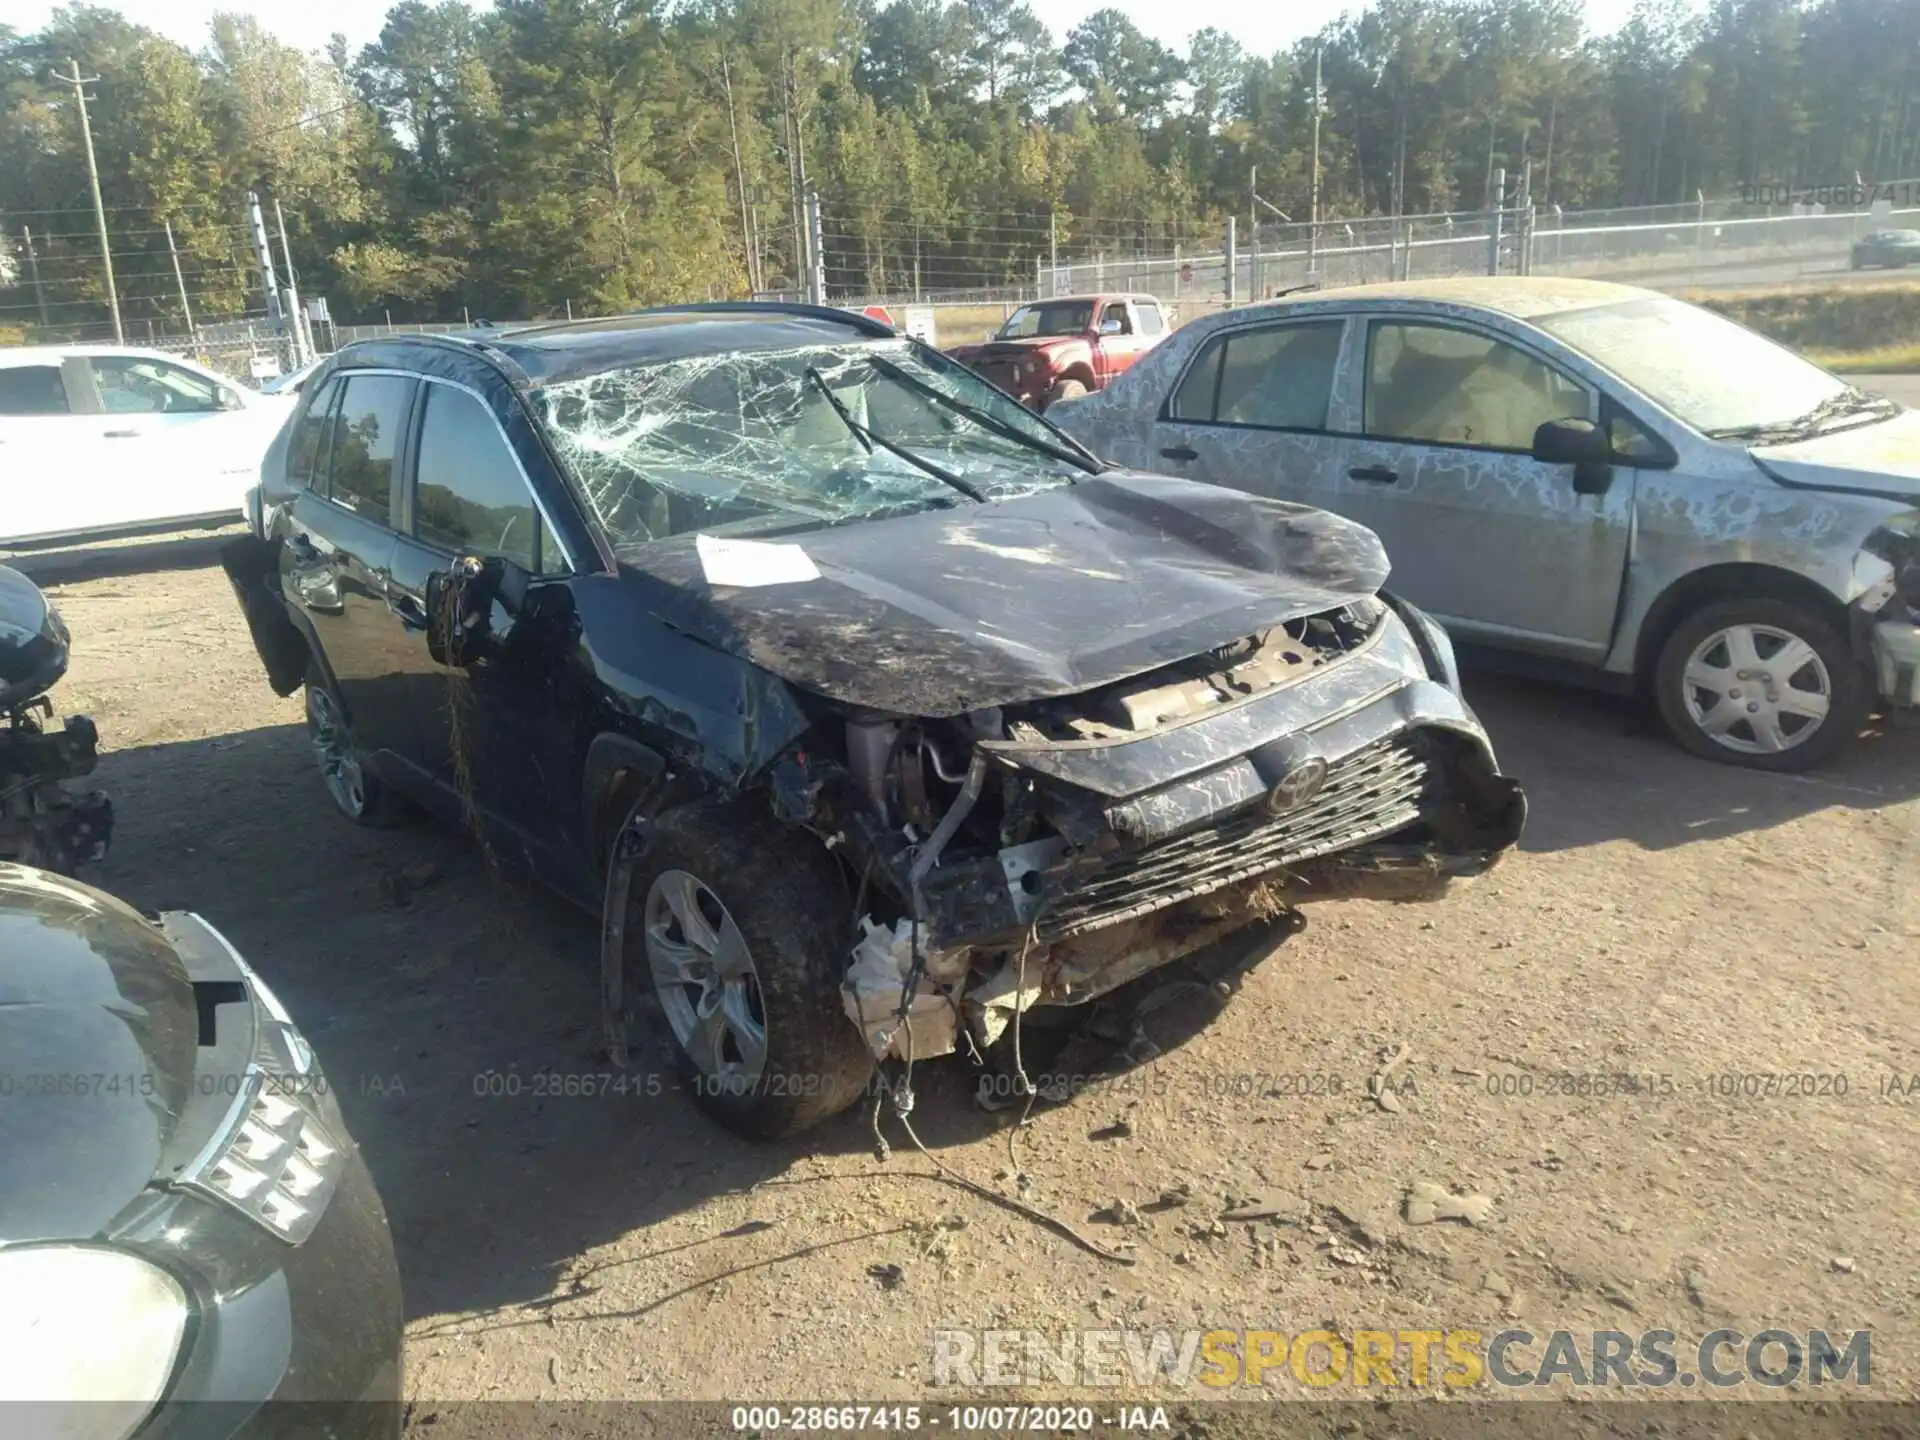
[865, 705]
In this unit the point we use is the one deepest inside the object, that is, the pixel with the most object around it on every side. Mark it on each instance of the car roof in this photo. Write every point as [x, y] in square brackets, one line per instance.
[570, 349]
[54, 354]
[1523, 297]
[1096, 295]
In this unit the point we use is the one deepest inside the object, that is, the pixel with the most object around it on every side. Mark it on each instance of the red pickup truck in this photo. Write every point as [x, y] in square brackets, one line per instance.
[1067, 346]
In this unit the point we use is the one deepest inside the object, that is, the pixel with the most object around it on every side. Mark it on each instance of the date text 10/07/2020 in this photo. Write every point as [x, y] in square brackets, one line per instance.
[960, 1419]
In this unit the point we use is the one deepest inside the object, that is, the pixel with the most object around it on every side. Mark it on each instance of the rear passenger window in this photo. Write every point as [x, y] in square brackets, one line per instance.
[304, 446]
[1150, 320]
[1276, 378]
[469, 495]
[366, 438]
[32, 390]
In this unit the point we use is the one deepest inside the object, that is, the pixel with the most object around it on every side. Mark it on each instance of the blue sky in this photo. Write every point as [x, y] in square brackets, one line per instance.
[1261, 28]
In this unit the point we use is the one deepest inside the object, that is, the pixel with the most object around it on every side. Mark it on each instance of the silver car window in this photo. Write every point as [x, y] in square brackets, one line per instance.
[1448, 386]
[1276, 377]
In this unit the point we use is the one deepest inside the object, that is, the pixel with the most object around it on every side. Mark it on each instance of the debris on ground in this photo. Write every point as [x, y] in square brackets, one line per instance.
[1172, 1198]
[1428, 1202]
[1118, 1130]
[399, 886]
[1120, 1212]
[891, 1277]
[1378, 1085]
[1278, 1206]
[1842, 1265]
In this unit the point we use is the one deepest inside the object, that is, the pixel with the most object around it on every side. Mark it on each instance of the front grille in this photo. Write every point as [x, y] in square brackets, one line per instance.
[1370, 793]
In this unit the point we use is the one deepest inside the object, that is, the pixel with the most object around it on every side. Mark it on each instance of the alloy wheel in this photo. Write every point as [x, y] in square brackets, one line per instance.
[704, 976]
[1757, 689]
[333, 747]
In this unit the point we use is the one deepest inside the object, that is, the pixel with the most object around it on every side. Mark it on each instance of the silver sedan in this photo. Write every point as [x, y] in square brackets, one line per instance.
[1585, 478]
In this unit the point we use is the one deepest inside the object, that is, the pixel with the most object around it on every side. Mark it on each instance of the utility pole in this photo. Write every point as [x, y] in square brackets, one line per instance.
[1253, 232]
[1232, 258]
[296, 326]
[1496, 212]
[263, 254]
[33, 272]
[1053, 254]
[186, 310]
[816, 253]
[1313, 204]
[80, 83]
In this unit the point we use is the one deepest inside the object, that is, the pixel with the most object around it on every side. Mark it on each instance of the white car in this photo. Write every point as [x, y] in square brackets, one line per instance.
[99, 441]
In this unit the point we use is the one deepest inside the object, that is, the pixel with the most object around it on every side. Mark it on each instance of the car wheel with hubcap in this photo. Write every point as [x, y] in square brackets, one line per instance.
[745, 933]
[356, 793]
[1763, 683]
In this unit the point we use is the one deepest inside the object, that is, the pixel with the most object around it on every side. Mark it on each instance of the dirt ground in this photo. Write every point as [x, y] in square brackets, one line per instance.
[1665, 917]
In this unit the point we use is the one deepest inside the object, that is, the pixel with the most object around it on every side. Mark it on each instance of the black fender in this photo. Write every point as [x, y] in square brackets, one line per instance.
[284, 644]
[608, 756]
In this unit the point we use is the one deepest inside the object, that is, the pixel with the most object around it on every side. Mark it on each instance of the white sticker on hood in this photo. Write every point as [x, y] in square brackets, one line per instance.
[747, 563]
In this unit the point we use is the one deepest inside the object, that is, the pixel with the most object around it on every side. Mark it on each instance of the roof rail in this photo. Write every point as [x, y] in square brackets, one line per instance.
[852, 318]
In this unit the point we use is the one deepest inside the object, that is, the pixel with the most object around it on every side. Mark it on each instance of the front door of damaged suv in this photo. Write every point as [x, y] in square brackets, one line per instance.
[336, 553]
[496, 742]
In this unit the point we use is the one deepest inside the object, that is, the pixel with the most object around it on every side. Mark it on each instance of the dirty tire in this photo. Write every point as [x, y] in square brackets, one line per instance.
[790, 903]
[1849, 693]
[1064, 390]
[357, 794]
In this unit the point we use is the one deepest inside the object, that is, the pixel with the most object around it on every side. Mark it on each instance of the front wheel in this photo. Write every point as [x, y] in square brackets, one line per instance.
[1762, 683]
[746, 933]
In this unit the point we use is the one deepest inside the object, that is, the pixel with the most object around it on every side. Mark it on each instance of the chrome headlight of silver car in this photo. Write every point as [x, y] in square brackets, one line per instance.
[273, 1158]
[89, 1334]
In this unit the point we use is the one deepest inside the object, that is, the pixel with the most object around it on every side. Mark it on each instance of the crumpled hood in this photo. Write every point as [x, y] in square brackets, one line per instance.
[1880, 459]
[91, 992]
[959, 609]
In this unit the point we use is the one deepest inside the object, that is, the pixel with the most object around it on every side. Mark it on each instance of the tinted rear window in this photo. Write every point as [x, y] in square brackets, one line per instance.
[32, 390]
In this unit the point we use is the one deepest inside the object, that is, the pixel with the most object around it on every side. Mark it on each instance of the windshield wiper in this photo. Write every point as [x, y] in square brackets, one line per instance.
[869, 439]
[1848, 402]
[1078, 457]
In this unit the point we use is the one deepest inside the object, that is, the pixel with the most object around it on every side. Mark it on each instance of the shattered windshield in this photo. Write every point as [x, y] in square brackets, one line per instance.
[756, 440]
[1065, 317]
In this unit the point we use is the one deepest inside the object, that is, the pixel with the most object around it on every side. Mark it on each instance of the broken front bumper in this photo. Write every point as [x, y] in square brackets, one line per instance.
[1366, 779]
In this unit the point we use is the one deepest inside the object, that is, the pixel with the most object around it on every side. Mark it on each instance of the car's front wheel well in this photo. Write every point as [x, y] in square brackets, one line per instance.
[619, 772]
[1726, 582]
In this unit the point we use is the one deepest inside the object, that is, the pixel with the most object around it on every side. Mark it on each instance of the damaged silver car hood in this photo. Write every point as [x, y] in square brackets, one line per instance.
[950, 610]
[1877, 459]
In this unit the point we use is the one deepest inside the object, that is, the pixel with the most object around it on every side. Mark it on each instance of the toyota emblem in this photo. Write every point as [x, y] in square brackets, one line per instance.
[1298, 785]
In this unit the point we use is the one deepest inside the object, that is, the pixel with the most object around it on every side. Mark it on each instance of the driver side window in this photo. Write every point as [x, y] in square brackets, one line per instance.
[469, 494]
[1113, 320]
[134, 385]
[1443, 385]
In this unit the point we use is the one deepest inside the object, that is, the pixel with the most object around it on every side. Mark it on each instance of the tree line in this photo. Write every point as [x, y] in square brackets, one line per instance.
[613, 153]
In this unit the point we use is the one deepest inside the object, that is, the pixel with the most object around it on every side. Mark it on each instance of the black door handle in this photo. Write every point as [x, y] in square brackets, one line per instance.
[122, 434]
[1180, 452]
[1375, 475]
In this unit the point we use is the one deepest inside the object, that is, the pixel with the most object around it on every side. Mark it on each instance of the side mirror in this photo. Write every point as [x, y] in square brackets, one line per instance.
[228, 399]
[1112, 327]
[1581, 444]
[460, 603]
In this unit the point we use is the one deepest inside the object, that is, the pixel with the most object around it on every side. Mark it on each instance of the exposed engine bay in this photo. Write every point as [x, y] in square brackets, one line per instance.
[991, 882]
